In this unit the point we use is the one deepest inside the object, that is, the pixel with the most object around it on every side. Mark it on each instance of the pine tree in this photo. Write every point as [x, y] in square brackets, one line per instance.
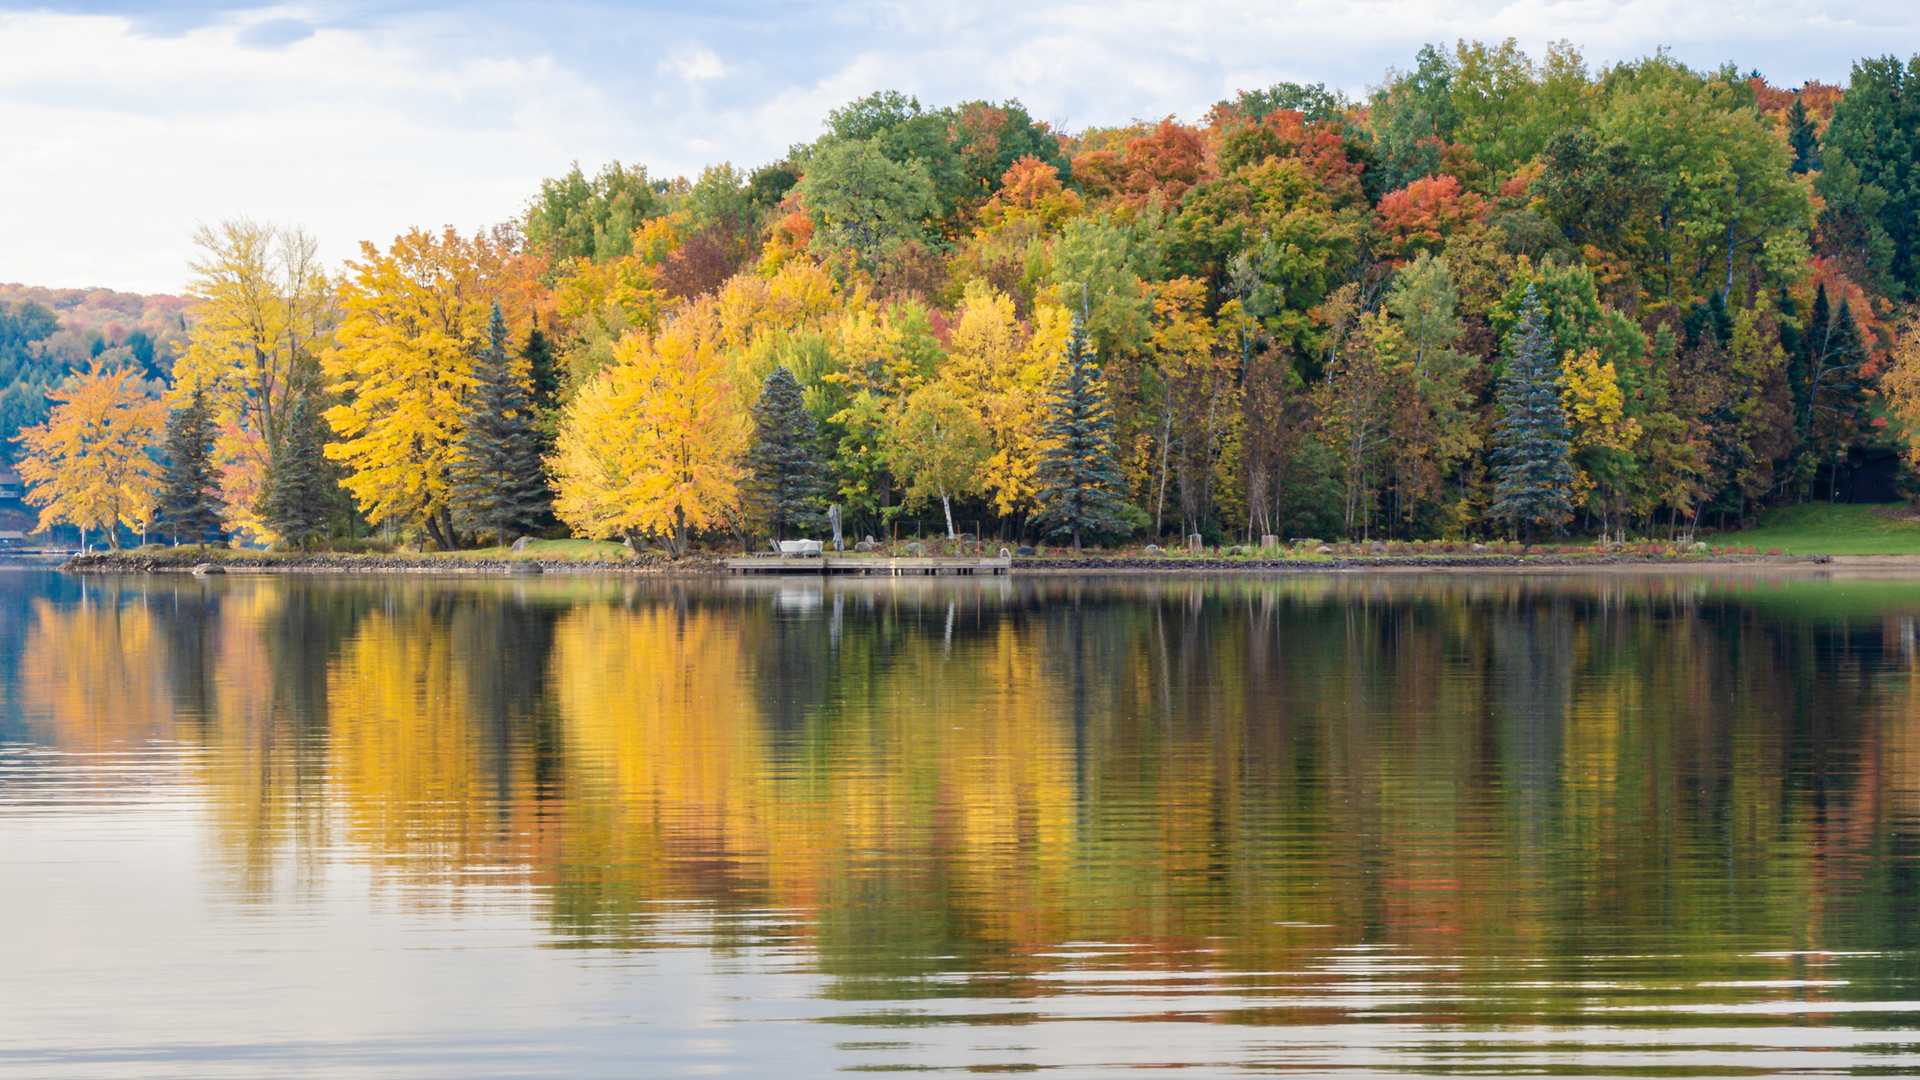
[1532, 460]
[789, 475]
[1803, 139]
[499, 480]
[297, 499]
[190, 502]
[1079, 479]
[543, 387]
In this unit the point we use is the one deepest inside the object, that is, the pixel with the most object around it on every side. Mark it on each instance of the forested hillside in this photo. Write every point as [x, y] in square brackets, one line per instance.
[46, 334]
[1501, 296]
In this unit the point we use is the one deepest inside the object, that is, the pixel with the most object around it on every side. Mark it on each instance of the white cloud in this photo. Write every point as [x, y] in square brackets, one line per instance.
[694, 65]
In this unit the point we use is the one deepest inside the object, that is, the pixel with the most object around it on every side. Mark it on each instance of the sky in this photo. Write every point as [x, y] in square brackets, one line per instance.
[126, 126]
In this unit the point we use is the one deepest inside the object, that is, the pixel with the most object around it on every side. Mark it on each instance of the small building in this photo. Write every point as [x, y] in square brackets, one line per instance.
[10, 537]
[9, 484]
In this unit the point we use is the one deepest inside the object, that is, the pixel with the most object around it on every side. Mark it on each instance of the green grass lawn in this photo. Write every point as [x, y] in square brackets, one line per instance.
[1827, 529]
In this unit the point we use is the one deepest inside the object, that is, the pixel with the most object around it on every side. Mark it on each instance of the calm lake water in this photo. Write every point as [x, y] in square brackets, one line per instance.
[414, 827]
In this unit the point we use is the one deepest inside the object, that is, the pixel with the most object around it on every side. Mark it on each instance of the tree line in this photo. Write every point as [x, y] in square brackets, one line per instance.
[1501, 296]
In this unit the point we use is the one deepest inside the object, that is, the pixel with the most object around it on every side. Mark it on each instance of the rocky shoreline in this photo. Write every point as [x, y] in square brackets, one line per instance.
[653, 564]
[217, 561]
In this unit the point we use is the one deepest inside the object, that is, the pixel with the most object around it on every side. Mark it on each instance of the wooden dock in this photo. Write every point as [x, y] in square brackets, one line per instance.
[965, 565]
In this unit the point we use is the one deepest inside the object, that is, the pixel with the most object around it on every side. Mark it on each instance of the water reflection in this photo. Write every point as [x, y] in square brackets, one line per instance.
[1365, 821]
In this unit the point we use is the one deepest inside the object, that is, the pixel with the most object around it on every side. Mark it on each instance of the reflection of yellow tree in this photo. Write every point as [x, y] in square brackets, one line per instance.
[401, 757]
[93, 675]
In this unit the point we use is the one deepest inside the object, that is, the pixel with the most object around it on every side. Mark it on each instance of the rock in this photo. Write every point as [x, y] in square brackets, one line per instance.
[626, 543]
[1823, 558]
[915, 549]
[1479, 549]
[520, 545]
[526, 568]
[1323, 550]
[869, 541]
[1376, 548]
[863, 546]
[1024, 550]
[1154, 549]
[207, 569]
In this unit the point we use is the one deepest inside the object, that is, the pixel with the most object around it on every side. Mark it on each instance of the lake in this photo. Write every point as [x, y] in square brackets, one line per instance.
[1661, 824]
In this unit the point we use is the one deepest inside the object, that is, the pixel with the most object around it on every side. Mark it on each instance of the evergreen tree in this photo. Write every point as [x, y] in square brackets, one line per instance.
[1079, 479]
[1533, 468]
[789, 476]
[499, 479]
[297, 499]
[190, 503]
[1802, 139]
[543, 387]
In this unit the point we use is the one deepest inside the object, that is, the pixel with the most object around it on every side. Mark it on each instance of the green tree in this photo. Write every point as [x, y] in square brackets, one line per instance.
[939, 445]
[299, 496]
[1533, 466]
[861, 201]
[190, 502]
[579, 218]
[1079, 480]
[1871, 181]
[499, 486]
[789, 478]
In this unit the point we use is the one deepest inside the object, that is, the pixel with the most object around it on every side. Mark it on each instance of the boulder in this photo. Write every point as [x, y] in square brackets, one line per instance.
[1323, 550]
[1479, 549]
[207, 569]
[863, 546]
[1024, 550]
[915, 549]
[520, 545]
[1376, 548]
[1154, 549]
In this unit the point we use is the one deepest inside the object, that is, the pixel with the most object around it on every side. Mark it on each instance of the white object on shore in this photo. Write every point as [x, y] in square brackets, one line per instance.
[799, 549]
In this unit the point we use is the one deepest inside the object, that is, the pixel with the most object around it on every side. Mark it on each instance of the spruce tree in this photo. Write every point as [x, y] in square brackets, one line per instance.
[1078, 477]
[190, 503]
[296, 501]
[1533, 467]
[499, 481]
[543, 388]
[789, 482]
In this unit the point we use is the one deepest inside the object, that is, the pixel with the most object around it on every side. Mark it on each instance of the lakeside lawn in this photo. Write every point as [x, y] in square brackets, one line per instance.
[1827, 529]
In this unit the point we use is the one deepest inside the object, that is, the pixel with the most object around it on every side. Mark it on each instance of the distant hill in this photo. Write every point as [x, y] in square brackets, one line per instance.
[47, 333]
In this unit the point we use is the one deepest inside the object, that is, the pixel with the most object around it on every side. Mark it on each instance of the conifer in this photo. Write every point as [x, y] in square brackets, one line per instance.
[296, 501]
[499, 482]
[1533, 465]
[190, 502]
[789, 474]
[1078, 478]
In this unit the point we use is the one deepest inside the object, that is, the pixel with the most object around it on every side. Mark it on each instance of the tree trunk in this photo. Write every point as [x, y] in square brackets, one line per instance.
[679, 532]
[946, 505]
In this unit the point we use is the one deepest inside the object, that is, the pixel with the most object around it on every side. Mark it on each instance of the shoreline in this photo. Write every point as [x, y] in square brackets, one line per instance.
[714, 566]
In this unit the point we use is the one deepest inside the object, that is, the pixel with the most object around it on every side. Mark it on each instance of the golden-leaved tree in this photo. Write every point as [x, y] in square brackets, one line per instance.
[402, 364]
[653, 443]
[88, 464]
[266, 311]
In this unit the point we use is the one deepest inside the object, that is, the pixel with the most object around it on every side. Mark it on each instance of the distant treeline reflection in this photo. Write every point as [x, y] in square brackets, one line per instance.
[918, 777]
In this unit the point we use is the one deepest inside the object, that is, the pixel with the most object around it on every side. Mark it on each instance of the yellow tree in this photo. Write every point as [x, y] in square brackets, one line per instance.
[1901, 382]
[266, 311]
[992, 368]
[403, 360]
[88, 464]
[653, 443]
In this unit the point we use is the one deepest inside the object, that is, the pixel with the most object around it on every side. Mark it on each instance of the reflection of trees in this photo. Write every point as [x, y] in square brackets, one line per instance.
[931, 775]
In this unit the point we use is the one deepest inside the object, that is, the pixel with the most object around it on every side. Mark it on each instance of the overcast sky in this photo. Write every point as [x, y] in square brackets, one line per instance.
[124, 125]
